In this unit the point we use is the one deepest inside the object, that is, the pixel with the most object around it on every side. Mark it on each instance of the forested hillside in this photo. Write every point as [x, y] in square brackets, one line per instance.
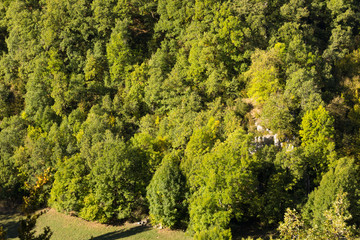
[200, 113]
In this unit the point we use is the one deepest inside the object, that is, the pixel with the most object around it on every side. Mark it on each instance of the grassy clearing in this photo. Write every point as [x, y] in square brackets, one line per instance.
[73, 228]
[68, 227]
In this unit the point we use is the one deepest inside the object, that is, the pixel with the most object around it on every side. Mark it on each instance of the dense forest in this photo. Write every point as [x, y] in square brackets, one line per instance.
[202, 114]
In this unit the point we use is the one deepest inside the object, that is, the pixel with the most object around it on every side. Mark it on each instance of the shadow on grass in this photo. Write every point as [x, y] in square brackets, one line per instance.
[11, 228]
[122, 234]
[252, 229]
[10, 222]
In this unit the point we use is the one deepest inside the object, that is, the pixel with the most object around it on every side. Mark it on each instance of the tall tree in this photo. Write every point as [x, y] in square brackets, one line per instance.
[166, 193]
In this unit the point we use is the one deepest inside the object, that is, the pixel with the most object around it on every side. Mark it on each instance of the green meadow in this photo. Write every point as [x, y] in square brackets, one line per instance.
[68, 227]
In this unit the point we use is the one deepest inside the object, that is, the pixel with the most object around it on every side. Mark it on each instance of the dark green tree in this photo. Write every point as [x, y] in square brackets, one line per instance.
[166, 193]
[221, 186]
[12, 135]
[118, 181]
[317, 136]
[71, 184]
[343, 176]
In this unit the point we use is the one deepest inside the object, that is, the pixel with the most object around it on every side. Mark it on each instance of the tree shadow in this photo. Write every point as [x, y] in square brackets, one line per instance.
[11, 229]
[11, 222]
[122, 234]
[253, 230]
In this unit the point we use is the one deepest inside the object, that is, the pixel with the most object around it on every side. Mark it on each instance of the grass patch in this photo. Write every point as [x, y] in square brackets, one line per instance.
[68, 227]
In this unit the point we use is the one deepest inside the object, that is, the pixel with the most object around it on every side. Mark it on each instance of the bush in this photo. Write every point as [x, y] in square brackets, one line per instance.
[214, 233]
